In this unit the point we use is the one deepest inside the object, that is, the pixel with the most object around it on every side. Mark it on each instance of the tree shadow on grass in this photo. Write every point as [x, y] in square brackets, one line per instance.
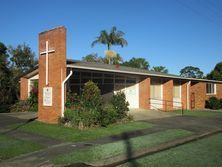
[129, 151]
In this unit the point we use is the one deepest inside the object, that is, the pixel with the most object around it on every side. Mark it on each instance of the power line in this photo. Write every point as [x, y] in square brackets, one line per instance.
[206, 17]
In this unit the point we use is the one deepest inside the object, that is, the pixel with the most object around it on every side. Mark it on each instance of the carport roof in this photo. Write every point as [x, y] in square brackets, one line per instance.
[127, 70]
[117, 69]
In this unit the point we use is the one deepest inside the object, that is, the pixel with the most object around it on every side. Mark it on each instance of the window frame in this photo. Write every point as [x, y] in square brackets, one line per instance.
[214, 86]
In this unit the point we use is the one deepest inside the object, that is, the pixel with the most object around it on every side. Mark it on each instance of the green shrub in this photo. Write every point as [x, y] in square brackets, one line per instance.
[120, 104]
[108, 115]
[87, 110]
[213, 103]
[20, 106]
[33, 98]
[72, 100]
[220, 103]
[91, 96]
[88, 119]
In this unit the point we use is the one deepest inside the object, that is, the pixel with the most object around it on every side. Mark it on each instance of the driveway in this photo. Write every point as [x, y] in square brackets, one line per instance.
[143, 114]
[17, 117]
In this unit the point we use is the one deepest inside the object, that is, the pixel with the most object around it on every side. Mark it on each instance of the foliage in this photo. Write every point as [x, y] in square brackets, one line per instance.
[31, 104]
[87, 110]
[114, 37]
[216, 73]
[214, 103]
[91, 96]
[84, 111]
[137, 63]
[14, 61]
[72, 100]
[22, 58]
[108, 115]
[120, 104]
[33, 98]
[7, 92]
[191, 72]
[160, 69]
[20, 106]
[93, 57]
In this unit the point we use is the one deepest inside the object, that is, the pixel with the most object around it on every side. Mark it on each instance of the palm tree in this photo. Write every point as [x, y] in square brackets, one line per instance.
[115, 37]
[160, 69]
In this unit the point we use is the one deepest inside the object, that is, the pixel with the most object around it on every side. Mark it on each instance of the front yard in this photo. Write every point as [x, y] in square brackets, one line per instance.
[126, 146]
[10, 147]
[204, 152]
[76, 135]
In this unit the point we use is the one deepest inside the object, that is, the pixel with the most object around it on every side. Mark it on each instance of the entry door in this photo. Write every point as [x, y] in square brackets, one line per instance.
[131, 92]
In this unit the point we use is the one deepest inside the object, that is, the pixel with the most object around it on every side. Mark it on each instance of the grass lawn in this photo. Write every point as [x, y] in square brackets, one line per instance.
[74, 135]
[10, 147]
[104, 151]
[197, 113]
[204, 152]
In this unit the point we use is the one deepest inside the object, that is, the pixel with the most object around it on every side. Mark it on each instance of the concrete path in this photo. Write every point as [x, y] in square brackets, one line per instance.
[143, 114]
[21, 119]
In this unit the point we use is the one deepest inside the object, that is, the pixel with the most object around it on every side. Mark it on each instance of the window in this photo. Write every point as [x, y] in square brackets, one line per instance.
[176, 89]
[155, 89]
[211, 88]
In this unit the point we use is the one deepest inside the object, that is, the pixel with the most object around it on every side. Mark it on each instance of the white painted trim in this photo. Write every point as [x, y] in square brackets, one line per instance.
[188, 95]
[29, 85]
[63, 93]
[215, 90]
[47, 51]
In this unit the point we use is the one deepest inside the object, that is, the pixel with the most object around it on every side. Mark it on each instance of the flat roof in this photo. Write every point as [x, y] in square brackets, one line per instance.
[117, 69]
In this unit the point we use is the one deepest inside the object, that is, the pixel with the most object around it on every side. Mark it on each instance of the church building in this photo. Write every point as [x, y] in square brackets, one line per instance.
[143, 89]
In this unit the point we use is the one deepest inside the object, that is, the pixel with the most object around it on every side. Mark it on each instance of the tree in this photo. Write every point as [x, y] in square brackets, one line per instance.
[137, 63]
[159, 69]
[6, 91]
[191, 72]
[115, 37]
[93, 57]
[22, 58]
[216, 73]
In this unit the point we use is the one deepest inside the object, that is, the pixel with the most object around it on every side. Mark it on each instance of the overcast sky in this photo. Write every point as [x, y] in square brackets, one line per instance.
[172, 33]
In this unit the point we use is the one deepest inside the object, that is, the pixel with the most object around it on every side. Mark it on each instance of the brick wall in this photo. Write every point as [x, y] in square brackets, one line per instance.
[168, 95]
[23, 88]
[219, 91]
[144, 93]
[198, 90]
[57, 72]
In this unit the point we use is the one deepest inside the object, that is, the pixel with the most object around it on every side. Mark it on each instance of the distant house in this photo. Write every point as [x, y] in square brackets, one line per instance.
[143, 88]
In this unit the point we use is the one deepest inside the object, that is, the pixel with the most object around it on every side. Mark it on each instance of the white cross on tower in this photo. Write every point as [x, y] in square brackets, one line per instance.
[47, 51]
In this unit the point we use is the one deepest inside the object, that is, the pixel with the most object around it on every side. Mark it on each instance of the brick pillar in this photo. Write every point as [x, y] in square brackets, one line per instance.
[184, 87]
[144, 93]
[57, 72]
[168, 95]
[198, 90]
[23, 88]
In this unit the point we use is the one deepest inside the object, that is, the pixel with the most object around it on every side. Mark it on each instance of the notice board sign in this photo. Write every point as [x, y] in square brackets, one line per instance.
[47, 96]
